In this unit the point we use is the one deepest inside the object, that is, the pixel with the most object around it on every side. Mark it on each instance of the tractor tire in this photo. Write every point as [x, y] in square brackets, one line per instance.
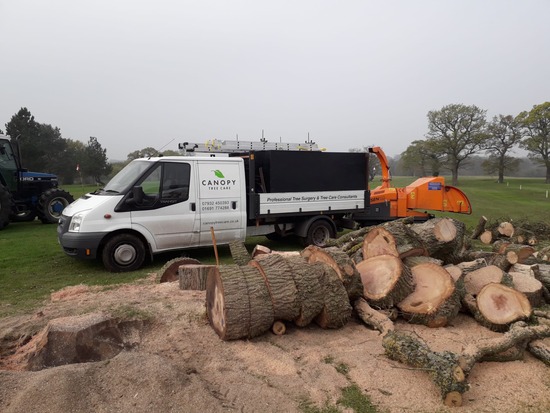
[123, 252]
[51, 204]
[25, 216]
[5, 206]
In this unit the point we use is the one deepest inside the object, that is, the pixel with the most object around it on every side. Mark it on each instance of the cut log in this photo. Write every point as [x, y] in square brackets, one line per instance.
[406, 240]
[421, 259]
[310, 292]
[170, 271]
[435, 300]
[350, 236]
[260, 250]
[469, 266]
[455, 272]
[443, 238]
[497, 306]
[373, 318]
[379, 241]
[523, 251]
[278, 328]
[486, 237]
[475, 281]
[506, 229]
[503, 261]
[340, 262]
[193, 277]
[336, 310]
[280, 284]
[227, 302]
[386, 281]
[261, 308]
[499, 246]
[239, 253]
[480, 227]
[531, 270]
[530, 286]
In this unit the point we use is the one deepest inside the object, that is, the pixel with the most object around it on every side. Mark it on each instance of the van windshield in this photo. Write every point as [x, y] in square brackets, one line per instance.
[126, 177]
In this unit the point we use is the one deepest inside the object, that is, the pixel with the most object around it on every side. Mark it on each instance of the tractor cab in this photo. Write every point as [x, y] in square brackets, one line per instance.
[26, 195]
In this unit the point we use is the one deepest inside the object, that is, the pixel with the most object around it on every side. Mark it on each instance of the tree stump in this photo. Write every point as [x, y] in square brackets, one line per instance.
[340, 262]
[193, 277]
[435, 300]
[497, 306]
[386, 281]
[280, 283]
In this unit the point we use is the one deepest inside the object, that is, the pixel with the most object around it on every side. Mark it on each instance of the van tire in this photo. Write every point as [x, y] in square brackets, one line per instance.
[123, 252]
[319, 233]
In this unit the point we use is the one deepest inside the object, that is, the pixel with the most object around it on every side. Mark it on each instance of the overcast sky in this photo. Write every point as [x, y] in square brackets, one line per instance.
[137, 73]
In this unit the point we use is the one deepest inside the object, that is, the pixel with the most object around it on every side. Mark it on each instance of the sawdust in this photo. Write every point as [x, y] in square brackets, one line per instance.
[181, 365]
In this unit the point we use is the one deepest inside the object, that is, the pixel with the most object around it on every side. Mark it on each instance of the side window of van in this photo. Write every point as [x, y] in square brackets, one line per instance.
[175, 181]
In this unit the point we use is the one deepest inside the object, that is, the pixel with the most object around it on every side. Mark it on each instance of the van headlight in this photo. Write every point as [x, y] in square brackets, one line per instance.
[76, 220]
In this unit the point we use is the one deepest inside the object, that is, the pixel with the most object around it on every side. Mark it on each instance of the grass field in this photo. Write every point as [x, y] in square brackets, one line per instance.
[32, 264]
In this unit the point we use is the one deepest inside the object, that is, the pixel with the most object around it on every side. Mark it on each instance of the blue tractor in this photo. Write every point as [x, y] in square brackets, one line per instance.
[26, 195]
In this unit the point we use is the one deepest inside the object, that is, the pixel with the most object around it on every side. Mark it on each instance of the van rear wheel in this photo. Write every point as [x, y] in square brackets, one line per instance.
[123, 252]
[319, 233]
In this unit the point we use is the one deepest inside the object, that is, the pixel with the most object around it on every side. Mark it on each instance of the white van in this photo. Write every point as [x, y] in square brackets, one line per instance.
[169, 203]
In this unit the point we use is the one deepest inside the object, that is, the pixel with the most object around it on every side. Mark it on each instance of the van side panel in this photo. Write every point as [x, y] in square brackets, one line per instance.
[222, 201]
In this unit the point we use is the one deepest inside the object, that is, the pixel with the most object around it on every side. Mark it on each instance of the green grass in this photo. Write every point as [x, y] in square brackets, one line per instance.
[32, 264]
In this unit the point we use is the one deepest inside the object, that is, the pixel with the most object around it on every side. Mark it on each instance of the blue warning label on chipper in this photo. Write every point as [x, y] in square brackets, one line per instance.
[434, 186]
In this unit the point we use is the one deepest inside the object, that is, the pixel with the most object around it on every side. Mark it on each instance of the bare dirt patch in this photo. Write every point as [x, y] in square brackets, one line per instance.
[180, 364]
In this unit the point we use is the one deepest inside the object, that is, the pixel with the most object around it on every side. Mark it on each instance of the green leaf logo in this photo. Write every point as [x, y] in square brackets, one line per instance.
[218, 173]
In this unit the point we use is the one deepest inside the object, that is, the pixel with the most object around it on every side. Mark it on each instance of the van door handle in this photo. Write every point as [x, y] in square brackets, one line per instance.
[193, 206]
[234, 204]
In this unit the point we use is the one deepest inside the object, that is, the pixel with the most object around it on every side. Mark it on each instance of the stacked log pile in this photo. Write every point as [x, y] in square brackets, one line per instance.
[423, 272]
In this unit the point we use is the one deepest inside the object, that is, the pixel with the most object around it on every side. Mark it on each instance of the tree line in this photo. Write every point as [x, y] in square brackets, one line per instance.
[458, 132]
[42, 149]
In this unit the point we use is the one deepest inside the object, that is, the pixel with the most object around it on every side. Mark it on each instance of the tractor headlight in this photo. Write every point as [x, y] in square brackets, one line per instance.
[76, 220]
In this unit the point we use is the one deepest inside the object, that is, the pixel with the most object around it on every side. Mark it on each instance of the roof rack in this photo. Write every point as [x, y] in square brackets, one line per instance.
[215, 145]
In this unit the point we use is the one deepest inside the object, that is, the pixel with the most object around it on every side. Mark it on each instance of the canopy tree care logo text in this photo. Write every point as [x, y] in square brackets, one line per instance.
[219, 183]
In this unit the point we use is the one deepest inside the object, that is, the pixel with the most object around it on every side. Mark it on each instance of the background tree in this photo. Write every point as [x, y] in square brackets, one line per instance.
[94, 162]
[23, 129]
[420, 158]
[71, 157]
[49, 148]
[456, 131]
[504, 132]
[143, 153]
[536, 129]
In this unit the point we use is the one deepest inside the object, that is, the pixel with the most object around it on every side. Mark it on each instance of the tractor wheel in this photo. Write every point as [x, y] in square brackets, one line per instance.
[123, 252]
[24, 216]
[5, 206]
[51, 204]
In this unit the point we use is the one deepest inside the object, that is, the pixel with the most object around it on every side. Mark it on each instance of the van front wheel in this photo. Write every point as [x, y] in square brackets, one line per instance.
[123, 252]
